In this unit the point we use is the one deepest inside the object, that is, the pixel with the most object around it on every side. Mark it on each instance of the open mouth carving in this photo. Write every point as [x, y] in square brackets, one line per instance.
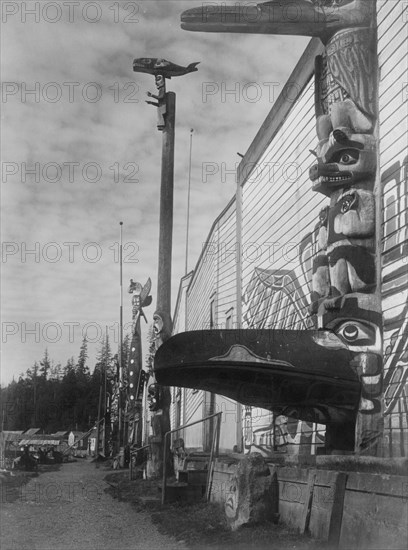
[335, 179]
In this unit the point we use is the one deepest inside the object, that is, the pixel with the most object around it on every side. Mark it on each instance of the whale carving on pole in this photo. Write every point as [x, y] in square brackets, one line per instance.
[345, 296]
[156, 66]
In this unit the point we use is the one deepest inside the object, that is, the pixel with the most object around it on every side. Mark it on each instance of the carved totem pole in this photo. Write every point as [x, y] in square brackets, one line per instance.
[136, 375]
[159, 396]
[346, 294]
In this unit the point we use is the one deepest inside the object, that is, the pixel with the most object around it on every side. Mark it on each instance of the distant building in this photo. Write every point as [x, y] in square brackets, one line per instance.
[9, 447]
[79, 442]
[31, 431]
[91, 443]
[63, 434]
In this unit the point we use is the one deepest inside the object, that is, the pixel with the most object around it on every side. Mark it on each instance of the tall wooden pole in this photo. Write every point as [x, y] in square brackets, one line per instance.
[98, 427]
[120, 427]
[161, 418]
[188, 199]
[166, 208]
[159, 396]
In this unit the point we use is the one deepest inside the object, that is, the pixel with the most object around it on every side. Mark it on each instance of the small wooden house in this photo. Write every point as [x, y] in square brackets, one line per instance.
[78, 441]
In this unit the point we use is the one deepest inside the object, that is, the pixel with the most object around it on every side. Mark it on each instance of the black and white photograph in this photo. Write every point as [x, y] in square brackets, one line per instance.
[204, 275]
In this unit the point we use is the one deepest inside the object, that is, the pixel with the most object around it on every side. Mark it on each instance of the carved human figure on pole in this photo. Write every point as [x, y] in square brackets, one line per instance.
[159, 396]
[161, 101]
[161, 69]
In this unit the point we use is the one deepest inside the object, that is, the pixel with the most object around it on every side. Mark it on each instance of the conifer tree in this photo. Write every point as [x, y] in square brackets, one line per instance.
[45, 365]
[81, 367]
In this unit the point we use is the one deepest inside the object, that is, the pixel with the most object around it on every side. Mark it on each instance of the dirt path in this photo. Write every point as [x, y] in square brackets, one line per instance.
[69, 509]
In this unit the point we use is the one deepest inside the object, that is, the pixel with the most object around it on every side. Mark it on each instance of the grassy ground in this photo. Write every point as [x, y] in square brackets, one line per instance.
[202, 525]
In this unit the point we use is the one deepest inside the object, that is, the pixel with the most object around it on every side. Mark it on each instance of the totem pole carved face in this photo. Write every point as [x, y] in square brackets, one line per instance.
[153, 396]
[331, 3]
[141, 296]
[160, 81]
[136, 302]
[231, 503]
[162, 327]
[344, 160]
[359, 327]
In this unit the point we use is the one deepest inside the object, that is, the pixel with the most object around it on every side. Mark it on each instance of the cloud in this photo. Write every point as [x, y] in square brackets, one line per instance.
[101, 129]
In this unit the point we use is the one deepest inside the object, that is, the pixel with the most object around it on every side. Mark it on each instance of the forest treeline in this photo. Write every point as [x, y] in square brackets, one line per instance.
[54, 397]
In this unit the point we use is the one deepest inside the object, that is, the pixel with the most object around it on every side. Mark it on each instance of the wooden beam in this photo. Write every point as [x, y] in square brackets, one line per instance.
[291, 92]
[336, 517]
[304, 524]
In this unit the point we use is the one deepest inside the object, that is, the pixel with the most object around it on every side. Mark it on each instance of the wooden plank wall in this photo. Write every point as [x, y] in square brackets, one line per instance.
[348, 509]
[375, 513]
[280, 211]
[226, 267]
[179, 325]
[226, 307]
[213, 280]
[393, 60]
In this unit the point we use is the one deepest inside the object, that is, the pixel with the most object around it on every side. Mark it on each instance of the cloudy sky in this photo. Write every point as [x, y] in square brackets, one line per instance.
[81, 152]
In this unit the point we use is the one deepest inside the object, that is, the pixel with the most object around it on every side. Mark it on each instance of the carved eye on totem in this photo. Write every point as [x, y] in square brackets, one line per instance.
[346, 157]
[332, 3]
[356, 333]
[347, 202]
[157, 324]
[323, 216]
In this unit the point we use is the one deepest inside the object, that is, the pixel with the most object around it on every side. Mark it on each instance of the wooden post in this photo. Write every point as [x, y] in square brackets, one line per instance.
[166, 207]
[120, 381]
[99, 419]
[339, 491]
[161, 418]
[304, 526]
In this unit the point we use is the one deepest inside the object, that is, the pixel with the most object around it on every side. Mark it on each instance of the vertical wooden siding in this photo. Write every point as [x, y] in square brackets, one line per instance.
[214, 279]
[279, 213]
[393, 60]
[179, 325]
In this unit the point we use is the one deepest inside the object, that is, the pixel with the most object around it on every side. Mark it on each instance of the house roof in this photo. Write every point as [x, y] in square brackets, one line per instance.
[53, 442]
[40, 439]
[61, 433]
[11, 435]
[31, 431]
